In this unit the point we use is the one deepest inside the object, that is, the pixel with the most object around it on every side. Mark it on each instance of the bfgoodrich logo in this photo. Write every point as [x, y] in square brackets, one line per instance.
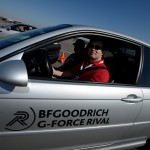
[21, 120]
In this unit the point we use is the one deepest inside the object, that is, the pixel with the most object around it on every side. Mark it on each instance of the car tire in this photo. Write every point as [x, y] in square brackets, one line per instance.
[146, 146]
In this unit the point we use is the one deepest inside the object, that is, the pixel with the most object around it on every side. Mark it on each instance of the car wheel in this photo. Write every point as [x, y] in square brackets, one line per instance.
[146, 146]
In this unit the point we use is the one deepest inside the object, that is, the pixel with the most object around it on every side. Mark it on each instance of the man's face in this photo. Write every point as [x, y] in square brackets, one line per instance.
[95, 50]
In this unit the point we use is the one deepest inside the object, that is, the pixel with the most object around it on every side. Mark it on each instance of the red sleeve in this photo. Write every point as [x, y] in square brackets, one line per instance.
[100, 75]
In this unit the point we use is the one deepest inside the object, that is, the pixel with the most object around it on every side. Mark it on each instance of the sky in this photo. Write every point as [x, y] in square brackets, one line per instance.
[128, 17]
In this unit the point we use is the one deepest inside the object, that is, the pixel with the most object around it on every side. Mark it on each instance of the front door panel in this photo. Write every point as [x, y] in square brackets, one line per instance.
[65, 115]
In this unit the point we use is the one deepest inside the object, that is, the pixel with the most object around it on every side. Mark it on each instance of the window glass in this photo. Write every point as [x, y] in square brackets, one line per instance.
[145, 78]
[121, 58]
[126, 61]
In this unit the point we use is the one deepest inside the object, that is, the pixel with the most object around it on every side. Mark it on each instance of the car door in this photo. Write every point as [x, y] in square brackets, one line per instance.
[142, 123]
[65, 115]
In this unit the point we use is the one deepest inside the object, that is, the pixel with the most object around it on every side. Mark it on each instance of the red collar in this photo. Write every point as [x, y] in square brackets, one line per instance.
[87, 64]
[96, 62]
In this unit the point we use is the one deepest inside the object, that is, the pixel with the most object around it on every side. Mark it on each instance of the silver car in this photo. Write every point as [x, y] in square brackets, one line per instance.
[41, 112]
[6, 30]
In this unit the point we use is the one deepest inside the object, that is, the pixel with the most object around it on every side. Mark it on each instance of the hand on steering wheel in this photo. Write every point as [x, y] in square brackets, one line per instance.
[45, 66]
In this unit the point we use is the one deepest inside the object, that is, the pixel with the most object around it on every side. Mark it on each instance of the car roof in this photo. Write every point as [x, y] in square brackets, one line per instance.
[47, 32]
[112, 33]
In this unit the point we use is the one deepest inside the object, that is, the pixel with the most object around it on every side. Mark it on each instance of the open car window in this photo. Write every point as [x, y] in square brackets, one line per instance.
[121, 58]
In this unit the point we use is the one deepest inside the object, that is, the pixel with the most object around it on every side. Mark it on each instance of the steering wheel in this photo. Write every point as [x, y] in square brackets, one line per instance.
[44, 64]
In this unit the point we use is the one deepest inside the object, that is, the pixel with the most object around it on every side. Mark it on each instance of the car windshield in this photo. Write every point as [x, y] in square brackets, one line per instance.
[13, 39]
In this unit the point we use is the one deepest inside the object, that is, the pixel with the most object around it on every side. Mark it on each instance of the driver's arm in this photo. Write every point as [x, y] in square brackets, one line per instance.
[65, 73]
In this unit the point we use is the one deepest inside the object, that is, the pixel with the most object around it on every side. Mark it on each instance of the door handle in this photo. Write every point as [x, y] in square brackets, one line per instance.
[132, 98]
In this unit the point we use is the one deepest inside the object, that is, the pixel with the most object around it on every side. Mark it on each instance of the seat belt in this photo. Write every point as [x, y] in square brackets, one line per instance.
[88, 69]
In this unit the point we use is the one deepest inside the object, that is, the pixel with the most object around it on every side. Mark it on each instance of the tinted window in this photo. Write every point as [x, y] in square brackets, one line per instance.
[126, 64]
[145, 78]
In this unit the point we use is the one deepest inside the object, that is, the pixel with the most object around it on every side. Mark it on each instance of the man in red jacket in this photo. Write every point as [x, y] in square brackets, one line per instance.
[91, 69]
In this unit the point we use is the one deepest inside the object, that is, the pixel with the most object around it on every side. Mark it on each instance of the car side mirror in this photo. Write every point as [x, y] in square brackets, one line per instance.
[14, 72]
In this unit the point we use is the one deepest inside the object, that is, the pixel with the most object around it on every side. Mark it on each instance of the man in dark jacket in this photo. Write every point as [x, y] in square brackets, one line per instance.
[76, 57]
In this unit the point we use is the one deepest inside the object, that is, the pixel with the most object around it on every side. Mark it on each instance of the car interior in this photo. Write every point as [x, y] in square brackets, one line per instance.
[38, 62]
[121, 58]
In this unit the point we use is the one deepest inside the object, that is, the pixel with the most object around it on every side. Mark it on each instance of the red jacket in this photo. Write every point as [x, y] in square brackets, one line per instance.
[94, 75]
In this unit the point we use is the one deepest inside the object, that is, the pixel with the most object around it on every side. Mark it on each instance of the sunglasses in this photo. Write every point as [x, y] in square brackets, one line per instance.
[96, 47]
